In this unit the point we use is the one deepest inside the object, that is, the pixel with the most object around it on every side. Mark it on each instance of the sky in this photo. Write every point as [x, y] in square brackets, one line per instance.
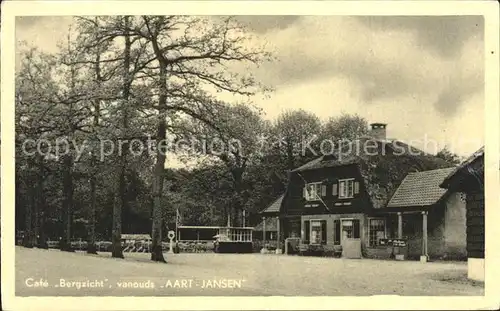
[422, 75]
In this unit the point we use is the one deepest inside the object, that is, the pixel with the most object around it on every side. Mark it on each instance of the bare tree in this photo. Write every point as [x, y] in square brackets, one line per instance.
[192, 53]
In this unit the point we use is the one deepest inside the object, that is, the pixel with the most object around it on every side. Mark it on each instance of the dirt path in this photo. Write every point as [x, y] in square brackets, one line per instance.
[243, 275]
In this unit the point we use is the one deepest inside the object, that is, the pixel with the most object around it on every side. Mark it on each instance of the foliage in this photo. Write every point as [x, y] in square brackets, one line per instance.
[345, 127]
[449, 156]
[127, 80]
[291, 133]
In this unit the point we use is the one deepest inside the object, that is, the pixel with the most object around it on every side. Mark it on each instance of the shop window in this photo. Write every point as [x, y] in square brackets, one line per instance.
[376, 231]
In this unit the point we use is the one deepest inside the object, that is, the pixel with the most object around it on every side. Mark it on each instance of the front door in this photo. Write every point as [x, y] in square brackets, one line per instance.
[351, 242]
[292, 228]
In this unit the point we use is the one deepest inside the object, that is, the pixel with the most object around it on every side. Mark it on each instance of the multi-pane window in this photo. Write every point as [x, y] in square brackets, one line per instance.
[315, 232]
[377, 231]
[350, 229]
[346, 188]
[312, 191]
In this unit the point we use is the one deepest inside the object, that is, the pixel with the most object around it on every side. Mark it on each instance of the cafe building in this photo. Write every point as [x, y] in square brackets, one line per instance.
[356, 202]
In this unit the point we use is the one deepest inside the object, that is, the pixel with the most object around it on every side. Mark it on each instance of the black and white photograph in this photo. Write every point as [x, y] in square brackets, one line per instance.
[248, 155]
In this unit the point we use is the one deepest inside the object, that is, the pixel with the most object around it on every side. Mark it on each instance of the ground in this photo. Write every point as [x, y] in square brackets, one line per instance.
[243, 275]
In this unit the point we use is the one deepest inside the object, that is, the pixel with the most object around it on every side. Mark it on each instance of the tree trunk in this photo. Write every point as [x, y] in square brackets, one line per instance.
[40, 209]
[159, 171]
[67, 203]
[43, 236]
[28, 230]
[289, 156]
[120, 202]
[91, 247]
[36, 212]
[237, 204]
[116, 235]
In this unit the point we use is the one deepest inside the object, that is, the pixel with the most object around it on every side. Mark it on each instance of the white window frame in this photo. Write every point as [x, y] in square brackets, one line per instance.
[318, 192]
[310, 230]
[345, 181]
[342, 229]
[369, 228]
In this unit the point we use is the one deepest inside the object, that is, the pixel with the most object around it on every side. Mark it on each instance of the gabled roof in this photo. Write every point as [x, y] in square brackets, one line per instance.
[462, 167]
[356, 150]
[274, 207]
[420, 189]
[271, 225]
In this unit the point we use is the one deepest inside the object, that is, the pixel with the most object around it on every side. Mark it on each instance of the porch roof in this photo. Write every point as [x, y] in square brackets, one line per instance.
[420, 189]
[271, 225]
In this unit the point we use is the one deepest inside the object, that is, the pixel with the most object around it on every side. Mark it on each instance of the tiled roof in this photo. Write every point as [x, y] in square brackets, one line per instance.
[271, 225]
[274, 207]
[420, 188]
[479, 153]
[356, 150]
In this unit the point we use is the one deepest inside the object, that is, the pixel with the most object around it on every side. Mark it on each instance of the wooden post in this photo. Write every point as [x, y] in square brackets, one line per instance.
[278, 250]
[397, 250]
[424, 256]
[400, 225]
[264, 231]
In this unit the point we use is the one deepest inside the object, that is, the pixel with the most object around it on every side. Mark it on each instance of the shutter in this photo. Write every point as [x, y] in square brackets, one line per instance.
[355, 227]
[323, 190]
[307, 231]
[304, 192]
[323, 232]
[336, 236]
[356, 187]
[334, 189]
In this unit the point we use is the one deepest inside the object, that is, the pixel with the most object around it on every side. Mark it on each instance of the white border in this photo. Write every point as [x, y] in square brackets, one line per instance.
[489, 9]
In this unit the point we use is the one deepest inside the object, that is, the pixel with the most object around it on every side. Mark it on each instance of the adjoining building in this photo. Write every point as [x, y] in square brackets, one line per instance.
[267, 230]
[468, 178]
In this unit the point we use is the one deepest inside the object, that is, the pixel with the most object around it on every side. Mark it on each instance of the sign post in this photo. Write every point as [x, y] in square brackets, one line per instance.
[171, 236]
[399, 243]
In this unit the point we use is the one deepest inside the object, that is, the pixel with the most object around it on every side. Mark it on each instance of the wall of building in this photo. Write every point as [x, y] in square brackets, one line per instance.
[446, 235]
[330, 226]
[412, 230]
[455, 234]
[475, 224]
[475, 269]
[446, 231]
[381, 252]
[295, 204]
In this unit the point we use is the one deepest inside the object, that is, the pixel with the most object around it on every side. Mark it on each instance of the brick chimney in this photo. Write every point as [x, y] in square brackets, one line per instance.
[378, 131]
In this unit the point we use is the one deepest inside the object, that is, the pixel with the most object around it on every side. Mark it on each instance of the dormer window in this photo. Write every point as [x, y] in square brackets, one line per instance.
[346, 188]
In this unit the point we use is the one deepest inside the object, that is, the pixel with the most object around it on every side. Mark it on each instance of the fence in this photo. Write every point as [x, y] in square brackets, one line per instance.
[195, 246]
[183, 246]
